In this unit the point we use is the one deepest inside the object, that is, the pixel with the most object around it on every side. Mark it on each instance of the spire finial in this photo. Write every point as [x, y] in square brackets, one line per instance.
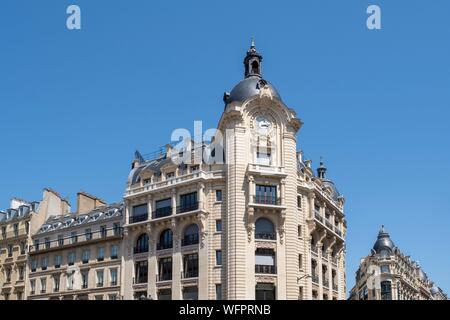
[321, 170]
[253, 43]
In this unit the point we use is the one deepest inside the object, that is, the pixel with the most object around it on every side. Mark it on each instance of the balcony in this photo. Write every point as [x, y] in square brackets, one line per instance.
[156, 185]
[164, 277]
[164, 246]
[190, 273]
[188, 208]
[141, 249]
[314, 249]
[262, 169]
[318, 216]
[265, 236]
[138, 218]
[338, 232]
[265, 269]
[325, 283]
[267, 200]
[162, 212]
[99, 235]
[328, 224]
[190, 240]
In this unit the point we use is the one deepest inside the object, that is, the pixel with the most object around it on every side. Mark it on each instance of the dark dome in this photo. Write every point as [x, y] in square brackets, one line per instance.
[334, 191]
[250, 87]
[383, 242]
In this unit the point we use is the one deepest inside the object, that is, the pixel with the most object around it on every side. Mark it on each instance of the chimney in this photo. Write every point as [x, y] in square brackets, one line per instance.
[65, 206]
[87, 202]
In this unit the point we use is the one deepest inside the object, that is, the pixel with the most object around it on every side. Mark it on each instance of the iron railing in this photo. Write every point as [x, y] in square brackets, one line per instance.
[265, 269]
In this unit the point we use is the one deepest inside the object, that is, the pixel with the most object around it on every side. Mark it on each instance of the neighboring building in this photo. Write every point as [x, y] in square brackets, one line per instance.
[17, 225]
[261, 226]
[78, 255]
[387, 274]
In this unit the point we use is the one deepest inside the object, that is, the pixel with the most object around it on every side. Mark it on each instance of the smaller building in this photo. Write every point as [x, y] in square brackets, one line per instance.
[388, 274]
[78, 256]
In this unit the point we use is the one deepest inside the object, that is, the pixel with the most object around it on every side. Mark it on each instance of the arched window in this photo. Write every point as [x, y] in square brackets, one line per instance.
[190, 235]
[165, 240]
[264, 229]
[386, 292]
[141, 243]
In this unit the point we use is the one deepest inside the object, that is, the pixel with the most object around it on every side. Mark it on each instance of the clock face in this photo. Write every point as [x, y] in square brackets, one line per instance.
[264, 125]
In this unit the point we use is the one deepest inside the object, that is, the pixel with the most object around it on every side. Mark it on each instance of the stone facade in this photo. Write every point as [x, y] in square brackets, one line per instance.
[387, 274]
[282, 228]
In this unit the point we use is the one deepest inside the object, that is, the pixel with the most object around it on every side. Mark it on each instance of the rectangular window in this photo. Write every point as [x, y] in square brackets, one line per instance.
[10, 250]
[219, 225]
[112, 297]
[114, 251]
[195, 168]
[56, 283]
[4, 232]
[103, 231]
[263, 156]
[86, 255]
[36, 244]
[21, 273]
[190, 264]
[47, 243]
[140, 213]
[300, 261]
[116, 229]
[16, 230]
[218, 257]
[299, 231]
[71, 258]
[218, 195]
[163, 208]
[34, 264]
[99, 274]
[299, 201]
[8, 274]
[60, 240]
[113, 276]
[165, 269]
[70, 281]
[84, 280]
[23, 247]
[57, 261]
[218, 291]
[266, 194]
[100, 253]
[32, 286]
[385, 269]
[44, 263]
[188, 202]
[74, 237]
[88, 234]
[43, 285]
[141, 272]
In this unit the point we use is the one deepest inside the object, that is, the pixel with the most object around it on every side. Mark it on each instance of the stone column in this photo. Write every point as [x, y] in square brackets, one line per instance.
[176, 263]
[174, 201]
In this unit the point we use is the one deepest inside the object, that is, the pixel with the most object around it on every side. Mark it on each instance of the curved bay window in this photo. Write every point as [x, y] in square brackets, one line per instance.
[264, 229]
[141, 244]
[190, 235]
[386, 291]
[165, 240]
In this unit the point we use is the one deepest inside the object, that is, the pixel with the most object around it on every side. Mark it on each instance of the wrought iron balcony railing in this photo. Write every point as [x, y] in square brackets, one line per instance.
[266, 199]
[188, 207]
[162, 212]
[265, 269]
[266, 235]
[138, 218]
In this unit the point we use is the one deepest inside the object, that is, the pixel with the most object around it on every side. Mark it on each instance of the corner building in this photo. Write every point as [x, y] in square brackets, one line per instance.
[260, 226]
[389, 274]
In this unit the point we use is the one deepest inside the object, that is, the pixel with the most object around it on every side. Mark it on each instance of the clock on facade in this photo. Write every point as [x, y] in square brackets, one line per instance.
[263, 124]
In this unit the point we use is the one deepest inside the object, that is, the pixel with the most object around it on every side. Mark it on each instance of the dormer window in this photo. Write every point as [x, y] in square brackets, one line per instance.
[170, 175]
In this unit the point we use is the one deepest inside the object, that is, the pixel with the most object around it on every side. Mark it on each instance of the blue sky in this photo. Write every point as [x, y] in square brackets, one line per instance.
[75, 105]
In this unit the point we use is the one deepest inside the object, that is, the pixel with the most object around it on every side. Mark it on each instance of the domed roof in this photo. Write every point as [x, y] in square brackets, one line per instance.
[434, 290]
[422, 275]
[250, 87]
[383, 242]
[334, 191]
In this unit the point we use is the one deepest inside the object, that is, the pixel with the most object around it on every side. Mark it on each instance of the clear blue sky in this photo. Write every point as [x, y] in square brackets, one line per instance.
[75, 105]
